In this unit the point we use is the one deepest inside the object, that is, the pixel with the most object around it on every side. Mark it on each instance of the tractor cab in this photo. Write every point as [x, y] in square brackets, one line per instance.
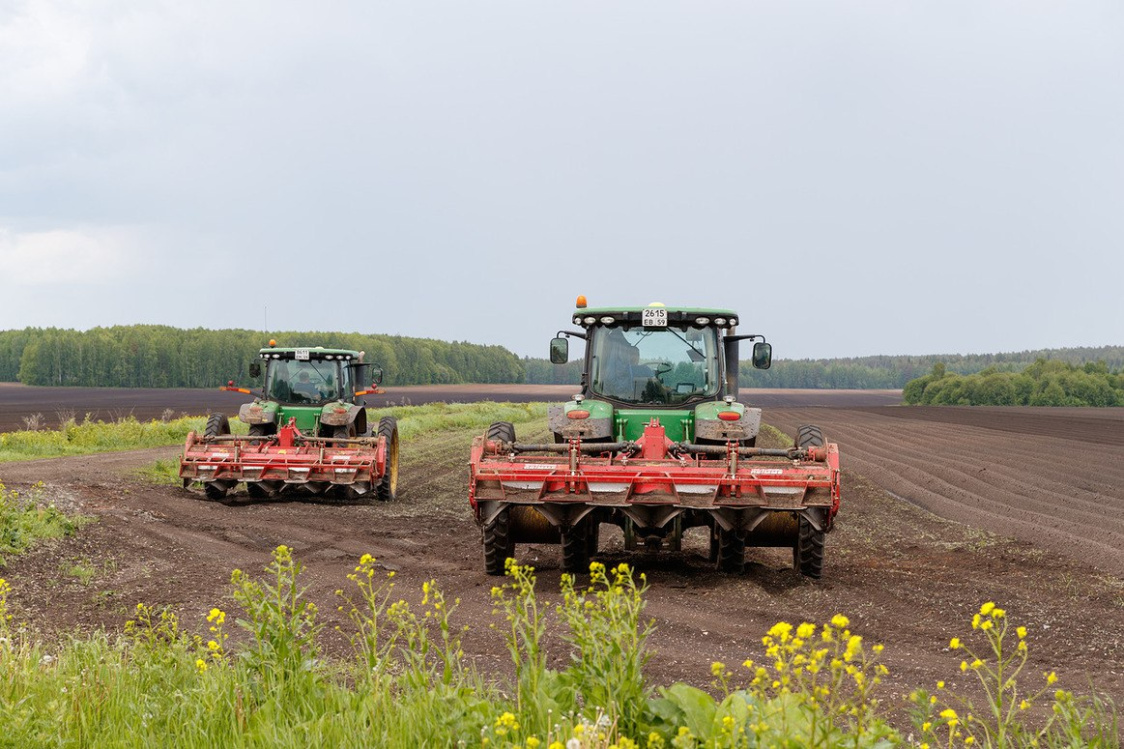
[654, 362]
[319, 387]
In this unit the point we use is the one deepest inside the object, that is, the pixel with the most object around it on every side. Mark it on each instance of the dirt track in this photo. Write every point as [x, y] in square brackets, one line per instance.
[1053, 479]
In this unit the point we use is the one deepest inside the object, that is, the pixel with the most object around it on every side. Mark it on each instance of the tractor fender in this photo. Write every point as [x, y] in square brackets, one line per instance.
[340, 414]
[258, 413]
[709, 427]
[596, 425]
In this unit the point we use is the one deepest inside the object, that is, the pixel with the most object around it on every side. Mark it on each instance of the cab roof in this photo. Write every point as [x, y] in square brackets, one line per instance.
[317, 352]
[697, 316]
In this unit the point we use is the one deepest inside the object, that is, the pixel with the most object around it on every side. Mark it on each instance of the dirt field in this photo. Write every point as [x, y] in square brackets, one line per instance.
[1028, 512]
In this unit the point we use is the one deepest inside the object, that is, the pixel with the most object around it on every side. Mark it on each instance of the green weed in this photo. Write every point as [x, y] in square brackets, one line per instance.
[409, 683]
[25, 519]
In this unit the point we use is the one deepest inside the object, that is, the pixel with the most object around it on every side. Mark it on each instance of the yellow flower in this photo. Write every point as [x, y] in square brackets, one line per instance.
[366, 559]
[805, 630]
[1021, 632]
[1051, 677]
[717, 668]
[987, 607]
[954, 643]
[1024, 705]
[926, 726]
[940, 685]
[533, 743]
[201, 664]
[968, 741]
[839, 621]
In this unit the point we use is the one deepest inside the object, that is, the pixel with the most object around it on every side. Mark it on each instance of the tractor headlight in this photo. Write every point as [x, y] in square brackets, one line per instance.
[590, 320]
[720, 322]
[733, 321]
[607, 320]
[577, 320]
[702, 320]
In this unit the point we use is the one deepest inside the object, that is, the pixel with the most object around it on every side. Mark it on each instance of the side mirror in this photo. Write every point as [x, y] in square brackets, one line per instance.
[559, 350]
[762, 355]
[376, 375]
[255, 369]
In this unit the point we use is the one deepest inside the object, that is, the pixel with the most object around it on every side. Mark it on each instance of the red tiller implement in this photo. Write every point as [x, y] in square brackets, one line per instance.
[654, 489]
[287, 459]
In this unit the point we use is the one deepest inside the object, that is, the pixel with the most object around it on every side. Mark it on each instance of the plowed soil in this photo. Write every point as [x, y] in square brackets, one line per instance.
[943, 509]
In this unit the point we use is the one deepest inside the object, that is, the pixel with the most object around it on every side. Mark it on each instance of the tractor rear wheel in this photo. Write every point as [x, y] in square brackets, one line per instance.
[575, 547]
[217, 426]
[807, 555]
[498, 545]
[731, 551]
[809, 435]
[387, 487]
[501, 431]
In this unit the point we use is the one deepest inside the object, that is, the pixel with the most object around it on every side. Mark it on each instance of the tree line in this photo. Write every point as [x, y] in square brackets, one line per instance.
[1043, 383]
[861, 373]
[159, 356]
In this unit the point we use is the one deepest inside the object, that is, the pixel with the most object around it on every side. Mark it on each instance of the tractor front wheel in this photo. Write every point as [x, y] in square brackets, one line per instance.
[807, 554]
[731, 551]
[575, 547]
[387, 486]
[498, 544]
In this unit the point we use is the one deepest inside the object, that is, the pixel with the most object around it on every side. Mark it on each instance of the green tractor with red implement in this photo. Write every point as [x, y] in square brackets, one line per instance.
[308, 431]
[655, 443]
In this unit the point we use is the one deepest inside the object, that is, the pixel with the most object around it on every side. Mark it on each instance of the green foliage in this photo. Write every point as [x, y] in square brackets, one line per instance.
[1043, 383]
[1005, 719]
[159, 356]
[410, 685]
[100, 436]
[440, 417]
[25, 519]
[609, 641]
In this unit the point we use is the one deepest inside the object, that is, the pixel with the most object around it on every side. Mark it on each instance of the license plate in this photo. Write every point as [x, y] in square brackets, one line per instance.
[301, 354]
[654, 318]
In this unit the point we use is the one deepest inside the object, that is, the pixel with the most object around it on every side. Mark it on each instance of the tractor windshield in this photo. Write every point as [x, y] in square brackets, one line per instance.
[654, 365]
[313, 381]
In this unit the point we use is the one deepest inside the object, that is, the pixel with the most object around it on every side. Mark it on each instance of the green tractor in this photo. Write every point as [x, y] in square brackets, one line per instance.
[655, 443]
[307, 429]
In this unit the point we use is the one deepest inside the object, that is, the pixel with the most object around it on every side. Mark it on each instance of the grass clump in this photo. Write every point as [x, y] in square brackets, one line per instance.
[25, 519]
[97, 437]
[434, 417]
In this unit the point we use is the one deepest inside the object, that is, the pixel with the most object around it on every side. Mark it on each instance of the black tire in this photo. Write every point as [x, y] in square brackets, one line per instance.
[217, 426]
[498, 545]
[809, 435]
[807, 555]
[501, 431]
[575, 548]
[386, 488]
[731, 551]
[593, 538]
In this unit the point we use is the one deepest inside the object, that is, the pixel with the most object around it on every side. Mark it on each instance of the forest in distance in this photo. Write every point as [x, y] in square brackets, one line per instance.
[162, 356]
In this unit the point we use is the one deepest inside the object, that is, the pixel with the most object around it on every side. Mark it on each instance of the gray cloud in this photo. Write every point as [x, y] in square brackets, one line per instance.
[871, 177]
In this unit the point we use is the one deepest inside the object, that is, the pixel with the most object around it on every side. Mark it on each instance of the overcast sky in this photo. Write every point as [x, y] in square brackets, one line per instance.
[852, 177]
